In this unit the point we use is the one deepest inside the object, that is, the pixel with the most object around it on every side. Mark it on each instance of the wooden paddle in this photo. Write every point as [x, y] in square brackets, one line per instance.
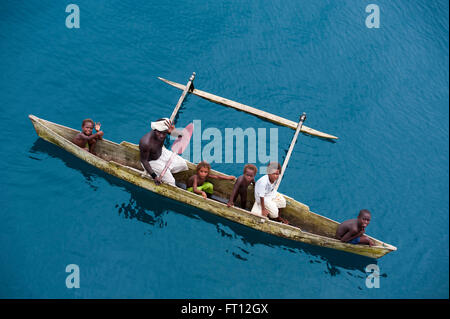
[179, 146]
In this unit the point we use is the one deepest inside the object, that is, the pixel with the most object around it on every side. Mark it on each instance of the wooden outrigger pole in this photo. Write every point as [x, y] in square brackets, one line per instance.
[248, 109]
[189, 87]
[291, 147]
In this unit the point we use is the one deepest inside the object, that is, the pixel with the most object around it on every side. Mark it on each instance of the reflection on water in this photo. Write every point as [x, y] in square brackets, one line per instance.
[142, 202]
[131, 210]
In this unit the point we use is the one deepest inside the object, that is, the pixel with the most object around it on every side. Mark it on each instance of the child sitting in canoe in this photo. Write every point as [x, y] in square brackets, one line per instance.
[352, 231]
[241, 185]
[197, 183]
[268, 202]
[85, 139]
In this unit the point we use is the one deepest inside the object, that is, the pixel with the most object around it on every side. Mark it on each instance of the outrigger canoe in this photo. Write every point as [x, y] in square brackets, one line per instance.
[122, 160]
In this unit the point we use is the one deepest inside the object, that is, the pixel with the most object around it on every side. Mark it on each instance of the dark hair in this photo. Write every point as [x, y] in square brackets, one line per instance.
[364, 211]
[251, 167]
[203, 164]
[87, 120]
[272, 164]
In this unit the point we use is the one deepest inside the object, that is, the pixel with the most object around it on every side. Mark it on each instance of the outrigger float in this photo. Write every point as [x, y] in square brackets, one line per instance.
[123, 161]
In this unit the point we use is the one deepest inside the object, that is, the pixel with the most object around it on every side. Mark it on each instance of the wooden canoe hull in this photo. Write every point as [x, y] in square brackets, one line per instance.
[122, 161]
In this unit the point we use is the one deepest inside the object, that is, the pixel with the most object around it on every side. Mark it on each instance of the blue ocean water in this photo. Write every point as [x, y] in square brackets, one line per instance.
[383, 91]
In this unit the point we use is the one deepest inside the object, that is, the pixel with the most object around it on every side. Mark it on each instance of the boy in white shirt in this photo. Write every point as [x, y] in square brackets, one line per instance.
[268, 202]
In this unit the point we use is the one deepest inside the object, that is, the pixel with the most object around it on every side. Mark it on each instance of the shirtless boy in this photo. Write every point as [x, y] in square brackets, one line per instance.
[352, 231]
[85, 139]
[241, 185]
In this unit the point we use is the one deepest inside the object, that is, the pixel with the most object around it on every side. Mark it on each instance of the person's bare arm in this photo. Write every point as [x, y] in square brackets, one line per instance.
[346, 237]
[350, 235]
[366, 240]
[221, 177]
[235, 190]
[97, 128]
[194, 188]
[144, 156]
[264, 211]
[172, 130]
[86, 138]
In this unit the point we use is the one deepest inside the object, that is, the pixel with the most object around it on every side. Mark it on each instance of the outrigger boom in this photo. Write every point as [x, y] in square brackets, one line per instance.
[189, 88]
[299, 127]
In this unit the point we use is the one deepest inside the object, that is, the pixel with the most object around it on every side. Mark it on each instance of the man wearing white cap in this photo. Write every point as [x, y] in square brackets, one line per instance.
[154, 155]
[268, 202]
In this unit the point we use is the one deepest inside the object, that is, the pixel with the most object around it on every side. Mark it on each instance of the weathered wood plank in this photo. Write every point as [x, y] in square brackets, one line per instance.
[183, 95]
[251, 110]
[291, 148]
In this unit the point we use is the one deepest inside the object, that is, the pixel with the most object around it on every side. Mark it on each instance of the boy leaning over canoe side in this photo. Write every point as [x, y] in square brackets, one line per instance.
[241, 185]
[268, 202]
[85, 139]
[352, 231]
[197, 183]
